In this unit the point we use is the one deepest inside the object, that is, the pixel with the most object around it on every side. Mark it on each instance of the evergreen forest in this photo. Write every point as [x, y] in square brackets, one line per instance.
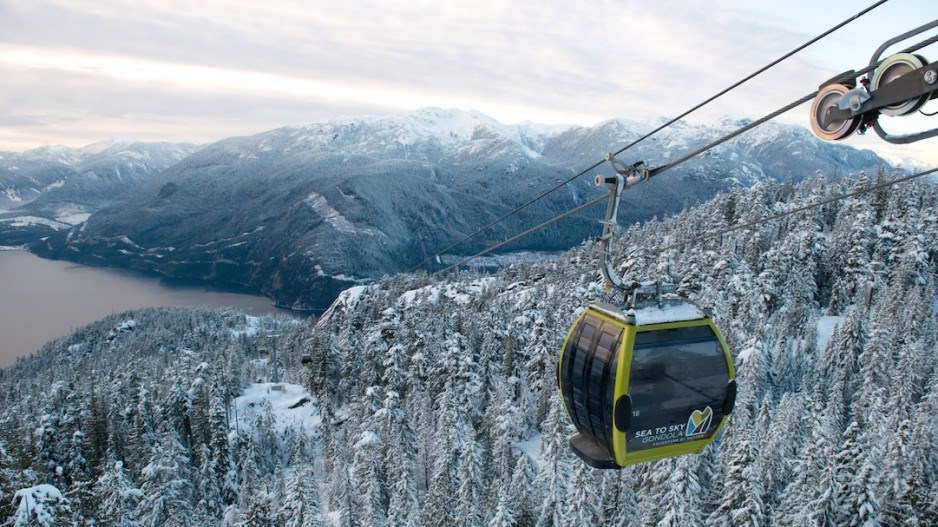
[432, 401]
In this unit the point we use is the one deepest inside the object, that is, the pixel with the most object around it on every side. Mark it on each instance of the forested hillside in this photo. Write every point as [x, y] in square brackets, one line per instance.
[53, 188]
[303, 212]
[432, 401]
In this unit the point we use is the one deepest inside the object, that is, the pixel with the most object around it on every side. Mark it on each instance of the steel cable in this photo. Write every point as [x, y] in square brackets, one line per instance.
[646, 136]
[695, 153]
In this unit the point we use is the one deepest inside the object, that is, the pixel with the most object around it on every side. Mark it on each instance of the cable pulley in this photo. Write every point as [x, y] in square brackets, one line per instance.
[896, 86]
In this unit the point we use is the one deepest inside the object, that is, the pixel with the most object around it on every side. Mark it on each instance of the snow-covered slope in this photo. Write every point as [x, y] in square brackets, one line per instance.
[432, 399]
[279, 405]
[300, 213]
[64, 186]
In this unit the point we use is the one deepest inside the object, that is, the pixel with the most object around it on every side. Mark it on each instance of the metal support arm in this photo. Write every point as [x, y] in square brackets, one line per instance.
[626, 177]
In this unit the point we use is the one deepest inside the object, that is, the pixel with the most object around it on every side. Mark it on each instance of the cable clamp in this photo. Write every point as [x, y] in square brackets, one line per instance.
[634, 174]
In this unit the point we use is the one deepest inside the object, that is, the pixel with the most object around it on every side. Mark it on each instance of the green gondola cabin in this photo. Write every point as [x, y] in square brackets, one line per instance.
[645, 384]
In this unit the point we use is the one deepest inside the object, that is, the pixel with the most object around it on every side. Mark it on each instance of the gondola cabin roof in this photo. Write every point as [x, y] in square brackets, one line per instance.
[652, 314]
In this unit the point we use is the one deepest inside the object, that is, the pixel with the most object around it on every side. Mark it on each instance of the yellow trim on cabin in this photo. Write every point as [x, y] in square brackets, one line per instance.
[623, 370]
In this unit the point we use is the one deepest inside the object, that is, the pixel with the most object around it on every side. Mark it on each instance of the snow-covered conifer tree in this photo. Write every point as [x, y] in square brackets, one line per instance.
[118, 497]
[741, 500]
[166, 483]
[471, 492]
[584, 501]
[522, 493]
[399, 460]
[367, 481]
[681, 501]
[301, 506]
[555, 454]
[439, 509]
[857, 475]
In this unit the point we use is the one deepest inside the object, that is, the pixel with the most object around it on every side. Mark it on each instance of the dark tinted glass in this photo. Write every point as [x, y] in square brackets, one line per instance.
[677, 383]
[587, 377]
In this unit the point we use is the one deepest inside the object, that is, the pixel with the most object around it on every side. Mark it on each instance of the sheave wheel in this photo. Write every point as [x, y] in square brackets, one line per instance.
[891, 69]
[831, 130]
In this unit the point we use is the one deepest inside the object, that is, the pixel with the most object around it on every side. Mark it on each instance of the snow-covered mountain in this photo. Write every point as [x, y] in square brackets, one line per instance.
[53, 188]
[432, 401]
[300, 213]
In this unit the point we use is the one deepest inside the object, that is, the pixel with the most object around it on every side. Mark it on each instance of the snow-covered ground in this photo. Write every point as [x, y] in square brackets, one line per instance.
[532, 447]
[250, 329]
[291, 405]
[29, 221]
[825, 329]
[255, 325]
[72, 215]
[333, 217]
[457, 292]
[347, 300]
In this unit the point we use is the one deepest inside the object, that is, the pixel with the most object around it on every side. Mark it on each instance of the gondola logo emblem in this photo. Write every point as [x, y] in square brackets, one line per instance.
[699, 422]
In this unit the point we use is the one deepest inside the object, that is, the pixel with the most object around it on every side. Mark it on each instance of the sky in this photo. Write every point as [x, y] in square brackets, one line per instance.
[74, 72]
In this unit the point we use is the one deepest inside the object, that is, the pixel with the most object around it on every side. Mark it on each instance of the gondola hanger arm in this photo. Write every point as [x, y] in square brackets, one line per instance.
[625, 178]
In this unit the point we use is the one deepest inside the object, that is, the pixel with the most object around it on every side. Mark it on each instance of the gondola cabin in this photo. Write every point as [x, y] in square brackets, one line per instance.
[645, 384]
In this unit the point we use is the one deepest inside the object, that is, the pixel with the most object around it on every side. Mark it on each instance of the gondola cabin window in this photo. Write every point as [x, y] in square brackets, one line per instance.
[677, 385]
[591, 361]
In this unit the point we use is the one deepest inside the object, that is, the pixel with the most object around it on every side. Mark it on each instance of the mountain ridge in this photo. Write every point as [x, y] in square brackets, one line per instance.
[301, 212]
[52, 188]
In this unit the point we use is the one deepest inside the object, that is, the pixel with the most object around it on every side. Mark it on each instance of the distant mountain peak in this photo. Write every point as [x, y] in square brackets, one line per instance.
[52, 153]
[107, 144]
[301, 212]
[426, 132]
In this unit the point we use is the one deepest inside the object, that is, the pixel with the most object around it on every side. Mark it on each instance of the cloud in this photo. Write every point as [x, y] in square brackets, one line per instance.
[166, 62]
[74, 112]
